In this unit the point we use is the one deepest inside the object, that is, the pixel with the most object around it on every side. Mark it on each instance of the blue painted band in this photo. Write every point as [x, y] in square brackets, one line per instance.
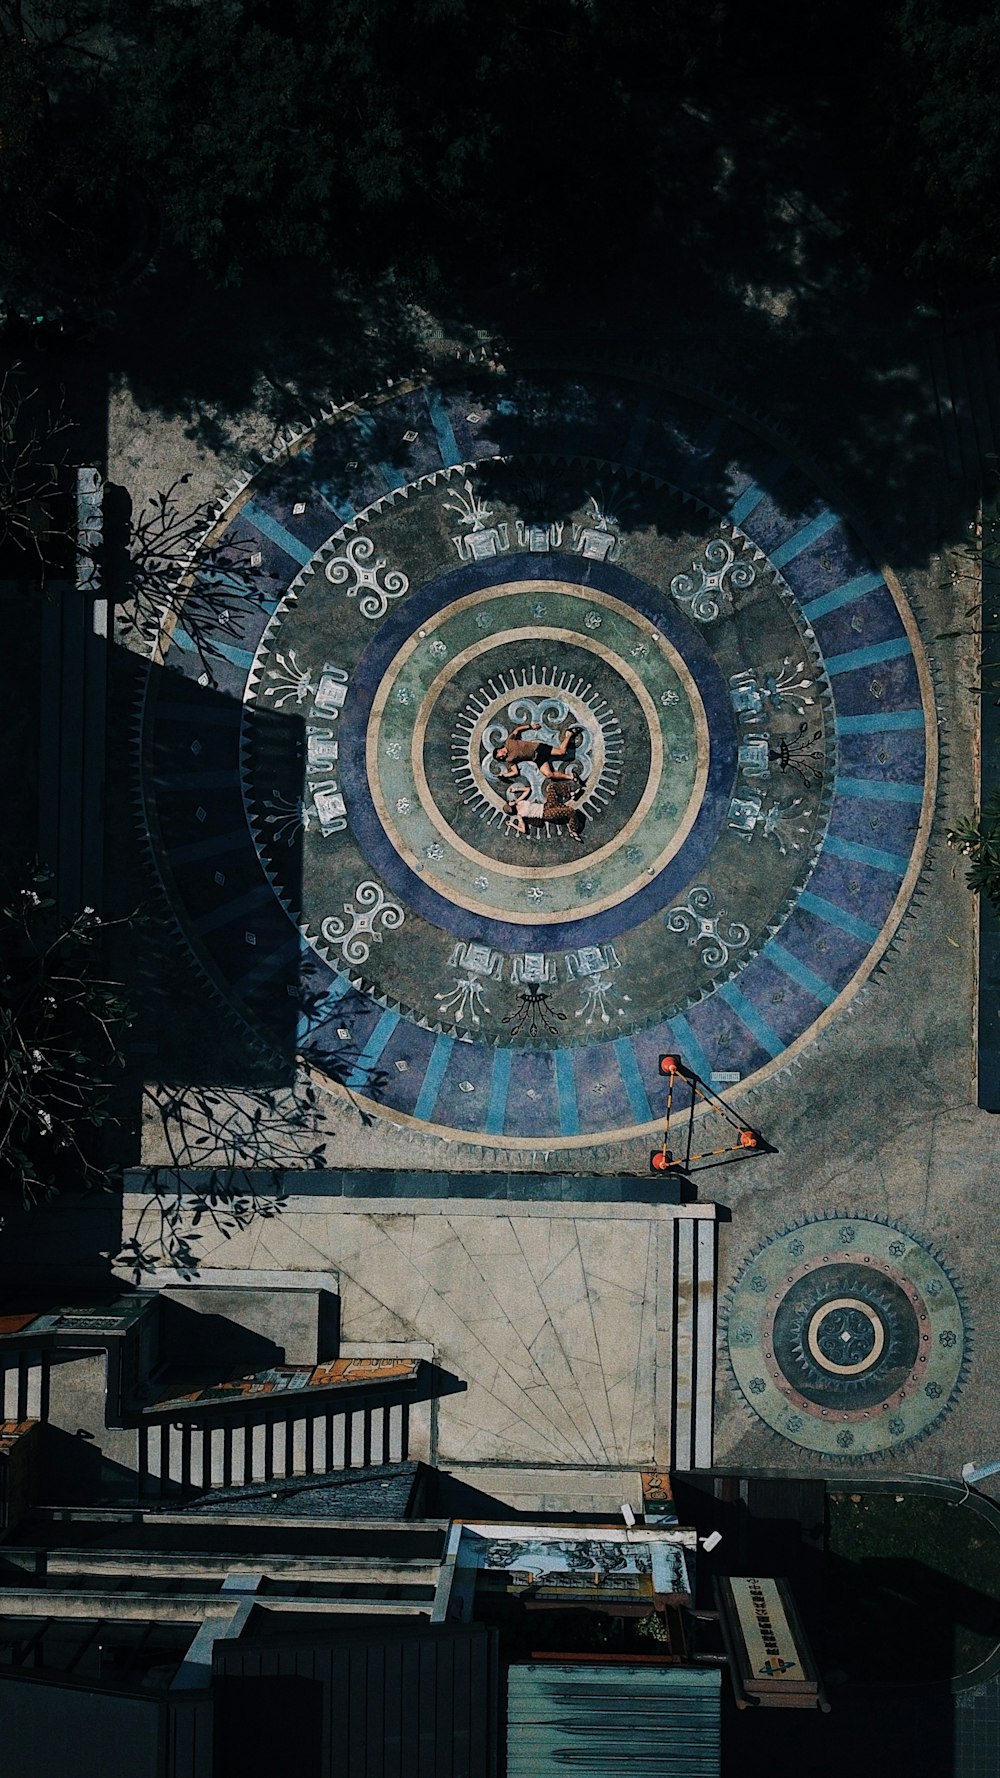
[881, 789]
[367, 1058]
[270, 527]
[217, 845]
[743, 507]
[391, 474]
[811, 533]
[499, 1088]
[628, 1068]
[842, 595]
[443, 429]
[689, 1049]
[754, 1021]
[339, 986]
[838, 916]
[880, 722]
[234, 910]
[799, 972]
[430, 1086]
[868, 657]
[213, 645]
[893, 862]
[569, 1114]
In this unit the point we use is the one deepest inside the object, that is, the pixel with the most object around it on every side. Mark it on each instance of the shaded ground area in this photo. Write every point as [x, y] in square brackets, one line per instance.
[914, 1586]
[895, 1595]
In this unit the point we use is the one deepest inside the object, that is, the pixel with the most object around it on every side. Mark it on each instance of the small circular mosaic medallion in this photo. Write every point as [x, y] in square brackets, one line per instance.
[866, 1347]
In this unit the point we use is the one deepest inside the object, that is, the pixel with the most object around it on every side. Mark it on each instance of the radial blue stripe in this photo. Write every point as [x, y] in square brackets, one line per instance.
[338, 503]
[437, 1067]
[636, 439]
[308, 1022]
[878, 723]
[270, 964]
[569, 1114]
[628, 1068]
[838, 916]
[893, 862]
[443, 429]
[269, 527]
[754, 1021]
[238, 657]
[199, 716]
[799, 972]
[711, 437]
[811, 533]
[842, 595]
[236, 909]
[223, 779]
[215, 846]
[881, 789]
[868, 657]
[689, 1049]
[743, 507]
[499, 1088]
[367, 1058]
[391, 475]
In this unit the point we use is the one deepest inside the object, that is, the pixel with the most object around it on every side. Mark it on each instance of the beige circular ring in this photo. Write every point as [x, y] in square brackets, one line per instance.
[846, 1370]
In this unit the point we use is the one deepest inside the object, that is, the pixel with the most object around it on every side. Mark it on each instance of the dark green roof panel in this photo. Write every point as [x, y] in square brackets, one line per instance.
[590, 1721]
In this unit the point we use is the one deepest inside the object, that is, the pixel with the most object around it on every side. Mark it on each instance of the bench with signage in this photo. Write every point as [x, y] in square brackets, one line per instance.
[769, 1658]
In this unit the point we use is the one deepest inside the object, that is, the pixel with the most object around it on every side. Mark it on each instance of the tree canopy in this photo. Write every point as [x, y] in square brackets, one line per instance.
[440, 135]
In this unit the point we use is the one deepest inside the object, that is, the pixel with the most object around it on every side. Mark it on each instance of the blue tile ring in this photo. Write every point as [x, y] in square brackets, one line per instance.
[535, 766]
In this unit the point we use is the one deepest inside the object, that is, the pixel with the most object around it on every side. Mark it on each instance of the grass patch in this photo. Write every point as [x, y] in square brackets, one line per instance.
[913, 1587]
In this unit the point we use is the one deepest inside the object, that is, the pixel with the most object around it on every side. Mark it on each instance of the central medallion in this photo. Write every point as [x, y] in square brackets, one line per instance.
[537, 751]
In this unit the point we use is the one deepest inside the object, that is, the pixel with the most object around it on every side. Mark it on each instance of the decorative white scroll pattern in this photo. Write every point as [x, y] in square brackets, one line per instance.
[289, 680]
[719, 575]
[355, 571]
[354, 937]
[704, 929]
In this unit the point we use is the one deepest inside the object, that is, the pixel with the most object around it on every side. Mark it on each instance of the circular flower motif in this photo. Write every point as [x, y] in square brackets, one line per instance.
[435, 851]
[845, 1439]
[933, 1287]
[932, 1389]
[794, 1422]
[757, 1385]
[394, 749]
[897, 1426]
[847, 1234]
[403, 694]
[403, 805]
[758, 1283]
[742, 1335]
[669, 697]
[897, 1249]
[796, 1248]
[593, 620]
[482, 621]
[946, 1337]
[438, 649]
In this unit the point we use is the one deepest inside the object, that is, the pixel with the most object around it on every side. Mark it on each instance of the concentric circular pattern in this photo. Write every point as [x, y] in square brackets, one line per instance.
[846, 1336]
[564, 742]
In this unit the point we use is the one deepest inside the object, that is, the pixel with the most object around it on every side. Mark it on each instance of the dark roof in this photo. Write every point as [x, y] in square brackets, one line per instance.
[382, 1492]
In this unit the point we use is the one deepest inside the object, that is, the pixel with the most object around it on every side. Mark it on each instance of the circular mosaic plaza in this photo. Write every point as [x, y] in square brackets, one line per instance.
[847, 1336]
[576, 728]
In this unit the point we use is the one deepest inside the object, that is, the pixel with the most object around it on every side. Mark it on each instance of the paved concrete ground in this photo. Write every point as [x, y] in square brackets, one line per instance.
[876, 1119]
